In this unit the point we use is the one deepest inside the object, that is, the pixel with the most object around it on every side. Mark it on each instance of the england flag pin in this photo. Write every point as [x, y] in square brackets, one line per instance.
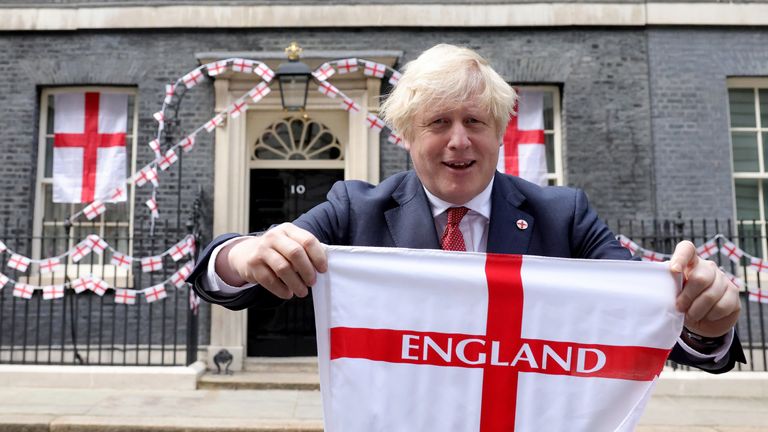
[522, 224]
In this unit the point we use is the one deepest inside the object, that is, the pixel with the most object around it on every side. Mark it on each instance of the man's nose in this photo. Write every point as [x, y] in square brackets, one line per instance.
[459, 137]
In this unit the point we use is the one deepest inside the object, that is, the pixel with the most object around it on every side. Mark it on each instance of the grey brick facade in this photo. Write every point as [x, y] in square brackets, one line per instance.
[644, 111]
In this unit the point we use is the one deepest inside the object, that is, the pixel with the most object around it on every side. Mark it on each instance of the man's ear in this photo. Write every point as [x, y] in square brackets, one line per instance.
[406, 145]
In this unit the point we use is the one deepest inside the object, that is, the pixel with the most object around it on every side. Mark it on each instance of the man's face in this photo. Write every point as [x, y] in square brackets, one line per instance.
[455, 150]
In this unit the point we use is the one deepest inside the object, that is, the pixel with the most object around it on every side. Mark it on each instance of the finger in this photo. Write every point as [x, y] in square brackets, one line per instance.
[313, 248]
[708, 299]
[698, 279]
[267, 279]
[713, 328]
[728, 304]
[294, 253]
[286, 272]
[684, 257]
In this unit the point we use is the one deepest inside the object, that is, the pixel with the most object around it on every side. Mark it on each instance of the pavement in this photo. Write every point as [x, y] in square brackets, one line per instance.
[284, 397]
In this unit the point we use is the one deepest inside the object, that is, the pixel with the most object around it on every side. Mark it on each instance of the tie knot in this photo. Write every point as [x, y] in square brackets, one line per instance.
[455, 214]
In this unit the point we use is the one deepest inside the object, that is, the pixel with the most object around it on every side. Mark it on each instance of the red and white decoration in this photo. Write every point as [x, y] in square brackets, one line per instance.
[96, 243]
[345, 66]
[180, 277]
[23, 290]
[730, 250]
[117, 194]
[121, 260]
[264, 72]
[708, 249]
[155, 293]
[155, 146]
[193, 78]
[167, 160]
[147, 174]
[374, 69]
[3, 280]
[216, 68]
[151, 263]
[89, 155]
[328, 89]
[124, 296]
[349, 105]
[259, 91]
[94, 209]
[19, 262]
[478, 338]
[523, 152]
[237, 108]
[324, 72]
[213, 123]
[188, 143]
[152, 204]
[50, 265]
[80, 251]
[51, 292]
[395, 78]
[758, 295]
[242, 65]
[179, 250]
[170, 89]
[374, 122]
[395, 139]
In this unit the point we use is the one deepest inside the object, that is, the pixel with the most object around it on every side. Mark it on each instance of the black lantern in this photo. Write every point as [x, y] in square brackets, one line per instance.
[293, 78]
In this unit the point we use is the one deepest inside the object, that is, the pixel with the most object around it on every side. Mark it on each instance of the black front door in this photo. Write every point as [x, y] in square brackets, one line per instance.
[278, 196]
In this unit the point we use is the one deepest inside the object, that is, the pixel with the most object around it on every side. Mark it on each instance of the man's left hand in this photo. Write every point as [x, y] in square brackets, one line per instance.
[709, 300]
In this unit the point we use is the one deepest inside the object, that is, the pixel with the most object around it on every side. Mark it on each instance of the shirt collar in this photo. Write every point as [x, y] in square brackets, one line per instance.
[480, 204]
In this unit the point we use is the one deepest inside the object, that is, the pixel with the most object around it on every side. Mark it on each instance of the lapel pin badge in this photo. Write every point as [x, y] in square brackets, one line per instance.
[522, 224]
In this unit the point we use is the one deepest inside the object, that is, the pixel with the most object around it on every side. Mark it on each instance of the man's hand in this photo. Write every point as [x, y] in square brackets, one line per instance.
[285, 261]
[709, 300]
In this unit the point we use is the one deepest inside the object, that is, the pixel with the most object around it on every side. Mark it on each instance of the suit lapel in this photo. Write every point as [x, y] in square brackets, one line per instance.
[411, 223]
[504, 236]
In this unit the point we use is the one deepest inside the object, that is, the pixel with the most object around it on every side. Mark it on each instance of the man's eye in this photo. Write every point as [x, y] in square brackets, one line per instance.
[438, 121]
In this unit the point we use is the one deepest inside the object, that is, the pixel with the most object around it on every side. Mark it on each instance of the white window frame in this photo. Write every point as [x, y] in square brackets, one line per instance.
[41, 181]
[556, 177]
[754, 84]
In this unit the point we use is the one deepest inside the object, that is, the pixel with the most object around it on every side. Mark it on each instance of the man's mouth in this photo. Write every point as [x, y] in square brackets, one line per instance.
[459, 165]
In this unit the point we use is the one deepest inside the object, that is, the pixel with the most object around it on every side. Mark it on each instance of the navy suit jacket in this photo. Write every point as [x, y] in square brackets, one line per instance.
[396, 213]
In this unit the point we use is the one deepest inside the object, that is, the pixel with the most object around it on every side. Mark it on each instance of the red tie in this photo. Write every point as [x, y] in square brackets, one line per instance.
[452, 239]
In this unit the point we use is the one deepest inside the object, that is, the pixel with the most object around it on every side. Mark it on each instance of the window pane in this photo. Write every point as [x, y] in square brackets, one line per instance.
[745, 152]
[117, 237]
[549, 141]
[747, 202]
[549, 117]
[742, 102]
[764, 108]
[48, 157]
[54, 211]
[749, 236]
[116, 212]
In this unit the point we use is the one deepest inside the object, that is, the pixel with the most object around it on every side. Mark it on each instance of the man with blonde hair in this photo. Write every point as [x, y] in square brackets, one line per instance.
[452, 109]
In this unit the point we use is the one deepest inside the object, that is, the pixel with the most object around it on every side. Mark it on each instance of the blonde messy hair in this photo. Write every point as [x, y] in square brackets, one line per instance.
[446, 75]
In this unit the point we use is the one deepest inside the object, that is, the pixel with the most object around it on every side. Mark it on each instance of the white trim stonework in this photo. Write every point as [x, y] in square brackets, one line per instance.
[391, 15]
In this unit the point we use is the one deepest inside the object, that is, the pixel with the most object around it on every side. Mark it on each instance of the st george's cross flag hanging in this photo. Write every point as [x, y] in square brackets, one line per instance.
[89, 156]
[420, 340]
[523, 152]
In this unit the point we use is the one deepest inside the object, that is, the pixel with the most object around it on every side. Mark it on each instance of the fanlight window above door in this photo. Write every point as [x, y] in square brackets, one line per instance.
[297, 138]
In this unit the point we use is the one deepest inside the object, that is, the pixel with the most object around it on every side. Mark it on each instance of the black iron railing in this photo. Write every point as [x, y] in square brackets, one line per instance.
[87, 328]
[749, 236]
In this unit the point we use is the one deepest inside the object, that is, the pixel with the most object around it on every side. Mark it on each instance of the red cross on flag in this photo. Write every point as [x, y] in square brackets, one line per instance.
[170, 89]
[328, 89]
[242, 65]
[152, 263]
[654, 256]
[395, 78]
[3, 280]
[347, 65]
[94, 209]
[213, 123]
[237, 108]
[193, 78]
[707, 249]
[80, 284]
[148, 173]
[757, 295]
[155, 146]
[50, 265]
[117, 194]
[374, 69]
[89, 158]
[257, 93]
[324, 72]
[442, 341]
[19, 262]
[79, 251]
[167, 160]
[154, 293]
[96, 243]
[395, 139]
[374, 122]
[217, 67]
[349, 105]
[51, 292]
[180, 277]
[179, 250]
[264, 72]
[125, 296]
[23, 290]
[121, 260]
[98, 286]
[523, 152]
[732, 251]
[628, 244]
[187, 143]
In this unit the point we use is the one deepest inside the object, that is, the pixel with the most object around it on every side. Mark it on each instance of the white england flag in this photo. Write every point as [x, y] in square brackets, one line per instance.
[89, 159]
[523, 152]
[418, 340]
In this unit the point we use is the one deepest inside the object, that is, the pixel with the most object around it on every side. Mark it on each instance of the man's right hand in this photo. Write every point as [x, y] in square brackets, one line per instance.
[284, 260]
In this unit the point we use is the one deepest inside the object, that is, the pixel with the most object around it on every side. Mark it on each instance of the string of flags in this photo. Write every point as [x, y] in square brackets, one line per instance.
[93, 243]
[706, 250]
[149, 173]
